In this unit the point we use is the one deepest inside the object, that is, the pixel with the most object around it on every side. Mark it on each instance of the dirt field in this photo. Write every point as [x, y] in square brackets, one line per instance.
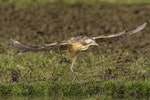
[51, 23]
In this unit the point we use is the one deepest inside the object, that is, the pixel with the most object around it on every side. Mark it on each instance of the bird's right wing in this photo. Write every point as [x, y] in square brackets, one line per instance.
[25, 48]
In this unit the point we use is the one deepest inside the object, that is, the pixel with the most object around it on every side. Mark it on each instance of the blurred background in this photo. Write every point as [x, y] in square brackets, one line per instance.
[44, 21]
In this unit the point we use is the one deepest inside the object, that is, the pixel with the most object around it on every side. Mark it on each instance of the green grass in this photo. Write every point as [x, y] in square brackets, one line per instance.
[41, 74]
[24, 3]
[114, 88]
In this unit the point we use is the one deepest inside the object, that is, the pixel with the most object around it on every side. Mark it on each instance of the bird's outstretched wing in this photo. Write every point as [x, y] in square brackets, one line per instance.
[46, 47]
[139, 28]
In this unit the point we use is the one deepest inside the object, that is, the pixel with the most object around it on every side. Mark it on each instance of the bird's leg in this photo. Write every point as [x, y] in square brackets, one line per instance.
[72, 69]
[72, 65]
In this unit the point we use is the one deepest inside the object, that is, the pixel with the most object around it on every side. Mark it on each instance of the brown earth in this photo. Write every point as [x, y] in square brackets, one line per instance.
[55, 22]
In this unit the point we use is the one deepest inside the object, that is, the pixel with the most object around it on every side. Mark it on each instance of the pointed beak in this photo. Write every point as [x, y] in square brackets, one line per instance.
[96, 44]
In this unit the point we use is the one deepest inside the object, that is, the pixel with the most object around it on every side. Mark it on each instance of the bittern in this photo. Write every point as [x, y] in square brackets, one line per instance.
[72, 46]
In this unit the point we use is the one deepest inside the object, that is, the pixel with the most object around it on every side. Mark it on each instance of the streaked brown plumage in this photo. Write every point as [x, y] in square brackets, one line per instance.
[72, 46]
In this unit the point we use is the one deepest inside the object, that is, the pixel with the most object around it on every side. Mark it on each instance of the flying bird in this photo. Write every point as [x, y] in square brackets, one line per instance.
[72, 46]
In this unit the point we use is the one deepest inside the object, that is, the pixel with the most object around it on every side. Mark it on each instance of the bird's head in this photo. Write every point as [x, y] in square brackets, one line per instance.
[82, 43]
[87, 42]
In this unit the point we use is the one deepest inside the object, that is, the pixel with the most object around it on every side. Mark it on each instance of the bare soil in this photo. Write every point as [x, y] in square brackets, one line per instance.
[55, 22]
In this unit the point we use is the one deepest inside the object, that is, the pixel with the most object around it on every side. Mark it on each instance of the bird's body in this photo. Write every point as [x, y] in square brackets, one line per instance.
[79, 43]
[72, 46]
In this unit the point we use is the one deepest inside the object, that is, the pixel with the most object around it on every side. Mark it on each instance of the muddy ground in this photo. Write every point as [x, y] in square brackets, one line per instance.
[55, 22]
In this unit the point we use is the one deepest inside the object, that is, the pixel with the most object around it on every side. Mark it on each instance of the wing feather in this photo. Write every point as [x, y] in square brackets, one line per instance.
[24, 48]
[139, 28]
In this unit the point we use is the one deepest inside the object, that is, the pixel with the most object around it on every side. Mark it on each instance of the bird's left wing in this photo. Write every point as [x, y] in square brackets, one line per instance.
[25, 48]
[139, 28]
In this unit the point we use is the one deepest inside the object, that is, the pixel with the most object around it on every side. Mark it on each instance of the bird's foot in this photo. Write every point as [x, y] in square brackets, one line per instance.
[76, 79]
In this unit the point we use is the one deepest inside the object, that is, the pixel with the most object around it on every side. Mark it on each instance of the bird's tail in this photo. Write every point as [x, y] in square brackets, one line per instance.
[25, 48]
